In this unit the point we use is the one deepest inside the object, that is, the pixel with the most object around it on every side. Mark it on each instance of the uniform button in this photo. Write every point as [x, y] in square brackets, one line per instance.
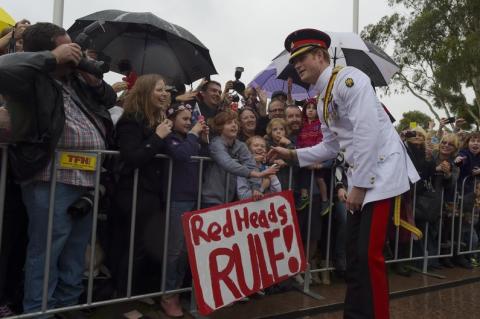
[382, 158]
[148, 146]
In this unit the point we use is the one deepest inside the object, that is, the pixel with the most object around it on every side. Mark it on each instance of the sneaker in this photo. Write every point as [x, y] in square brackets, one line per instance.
[402, 270]
[5, 311]
[171, 306]
[304, 202]
[326, 277]
[316, 280]
[474, 262]
[324, 208]
[299, 279]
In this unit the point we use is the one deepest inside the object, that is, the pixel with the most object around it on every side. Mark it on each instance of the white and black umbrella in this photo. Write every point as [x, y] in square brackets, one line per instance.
[349, 49]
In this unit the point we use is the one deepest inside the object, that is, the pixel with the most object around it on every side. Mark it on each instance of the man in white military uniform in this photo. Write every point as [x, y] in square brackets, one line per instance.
[354, 121]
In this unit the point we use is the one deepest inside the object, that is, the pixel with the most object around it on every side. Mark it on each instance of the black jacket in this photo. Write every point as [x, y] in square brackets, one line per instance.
[36, 107]
[138, 145]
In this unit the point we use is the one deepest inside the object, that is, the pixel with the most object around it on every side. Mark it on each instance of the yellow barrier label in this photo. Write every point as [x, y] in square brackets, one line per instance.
[81, 161]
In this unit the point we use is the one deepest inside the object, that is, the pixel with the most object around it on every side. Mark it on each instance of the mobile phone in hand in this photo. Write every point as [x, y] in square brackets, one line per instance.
[451, 120]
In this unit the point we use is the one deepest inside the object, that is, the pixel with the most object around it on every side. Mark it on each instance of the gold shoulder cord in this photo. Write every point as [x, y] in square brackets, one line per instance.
[397, 221]
[328, 93]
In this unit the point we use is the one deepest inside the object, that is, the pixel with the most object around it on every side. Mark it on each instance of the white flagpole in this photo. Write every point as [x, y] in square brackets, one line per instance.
[58, 12]
[355, 15]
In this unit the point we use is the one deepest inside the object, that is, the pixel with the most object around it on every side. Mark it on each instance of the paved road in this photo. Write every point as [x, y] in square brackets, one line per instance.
[449, 303]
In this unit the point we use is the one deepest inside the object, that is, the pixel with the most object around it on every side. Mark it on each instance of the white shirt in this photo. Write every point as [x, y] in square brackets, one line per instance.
[359, 126]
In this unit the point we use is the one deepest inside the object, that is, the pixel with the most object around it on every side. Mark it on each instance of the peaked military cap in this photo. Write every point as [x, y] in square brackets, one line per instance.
[304, 40]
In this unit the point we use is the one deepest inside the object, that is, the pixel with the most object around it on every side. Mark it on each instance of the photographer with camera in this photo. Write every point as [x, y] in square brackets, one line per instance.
[53, 105]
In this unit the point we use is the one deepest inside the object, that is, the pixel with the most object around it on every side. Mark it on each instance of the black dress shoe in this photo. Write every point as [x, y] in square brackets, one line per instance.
[447, 262]
[402, 270]
[463, 262]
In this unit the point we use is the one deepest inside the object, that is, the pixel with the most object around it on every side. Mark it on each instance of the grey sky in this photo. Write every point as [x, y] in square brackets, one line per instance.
[244, 33]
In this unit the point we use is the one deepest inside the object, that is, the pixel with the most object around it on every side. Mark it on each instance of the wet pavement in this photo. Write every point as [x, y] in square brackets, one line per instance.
[417, 296]
[448, 303]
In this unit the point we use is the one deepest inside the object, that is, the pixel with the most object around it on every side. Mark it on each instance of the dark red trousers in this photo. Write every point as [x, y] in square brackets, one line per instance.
[366, 275]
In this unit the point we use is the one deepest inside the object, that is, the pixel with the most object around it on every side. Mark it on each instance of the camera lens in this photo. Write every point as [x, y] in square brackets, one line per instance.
[84, 205]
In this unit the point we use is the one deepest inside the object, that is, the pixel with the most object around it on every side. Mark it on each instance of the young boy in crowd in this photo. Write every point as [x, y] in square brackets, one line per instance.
[270, 184]
[230, 156]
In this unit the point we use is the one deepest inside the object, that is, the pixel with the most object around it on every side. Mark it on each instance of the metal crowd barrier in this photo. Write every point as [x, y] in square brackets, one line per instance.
[472, 221]
[444, 245]
[89, 289]
[427, 255]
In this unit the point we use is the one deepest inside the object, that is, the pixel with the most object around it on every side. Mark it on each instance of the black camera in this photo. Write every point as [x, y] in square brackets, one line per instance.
[409, 134]
[84, 205]
[451, 120]
[237, 84]
[97, 68]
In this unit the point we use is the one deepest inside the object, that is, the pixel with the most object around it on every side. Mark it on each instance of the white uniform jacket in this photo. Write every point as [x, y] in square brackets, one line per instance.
[359, 126]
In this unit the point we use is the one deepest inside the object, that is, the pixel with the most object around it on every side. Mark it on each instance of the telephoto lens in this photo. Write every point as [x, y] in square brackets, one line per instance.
[97, 68]
[84, 205]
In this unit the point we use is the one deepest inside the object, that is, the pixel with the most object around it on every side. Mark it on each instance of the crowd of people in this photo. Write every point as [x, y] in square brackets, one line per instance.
[49, 104]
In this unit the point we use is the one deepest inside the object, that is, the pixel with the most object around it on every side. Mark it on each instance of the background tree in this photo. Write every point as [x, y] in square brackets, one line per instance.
[437, 46]
[418, 117]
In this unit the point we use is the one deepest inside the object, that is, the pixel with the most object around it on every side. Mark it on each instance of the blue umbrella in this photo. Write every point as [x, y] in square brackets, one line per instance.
[267, 80]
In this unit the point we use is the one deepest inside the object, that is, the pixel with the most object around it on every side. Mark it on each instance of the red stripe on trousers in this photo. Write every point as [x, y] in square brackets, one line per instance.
[376, 260]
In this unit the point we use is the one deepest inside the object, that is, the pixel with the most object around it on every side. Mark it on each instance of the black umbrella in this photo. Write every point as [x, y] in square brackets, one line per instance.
[150, 44]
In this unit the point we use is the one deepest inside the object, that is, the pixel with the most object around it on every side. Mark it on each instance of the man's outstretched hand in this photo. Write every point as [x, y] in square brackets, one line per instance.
[277, 152]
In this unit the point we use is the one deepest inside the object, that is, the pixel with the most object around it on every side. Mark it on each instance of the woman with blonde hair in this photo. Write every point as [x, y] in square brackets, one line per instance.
[446, 174]
[141, 133]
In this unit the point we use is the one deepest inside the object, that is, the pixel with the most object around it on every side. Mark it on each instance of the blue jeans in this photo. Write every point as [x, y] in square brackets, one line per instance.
[177, 252]
[69, 241]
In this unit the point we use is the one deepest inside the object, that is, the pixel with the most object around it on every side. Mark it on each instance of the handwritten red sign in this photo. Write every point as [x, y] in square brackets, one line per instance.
[240, 248]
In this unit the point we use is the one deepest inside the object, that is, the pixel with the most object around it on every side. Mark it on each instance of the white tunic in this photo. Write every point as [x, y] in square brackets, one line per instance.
[362, 129]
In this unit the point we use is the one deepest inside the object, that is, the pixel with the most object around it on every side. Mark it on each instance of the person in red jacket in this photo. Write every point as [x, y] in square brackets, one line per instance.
[310, 135]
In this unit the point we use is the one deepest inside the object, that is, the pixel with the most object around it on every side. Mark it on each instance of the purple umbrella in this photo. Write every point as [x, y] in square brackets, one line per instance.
[267, 80]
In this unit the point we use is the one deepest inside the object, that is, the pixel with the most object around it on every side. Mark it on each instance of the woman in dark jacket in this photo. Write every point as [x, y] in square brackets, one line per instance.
[140, 136]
